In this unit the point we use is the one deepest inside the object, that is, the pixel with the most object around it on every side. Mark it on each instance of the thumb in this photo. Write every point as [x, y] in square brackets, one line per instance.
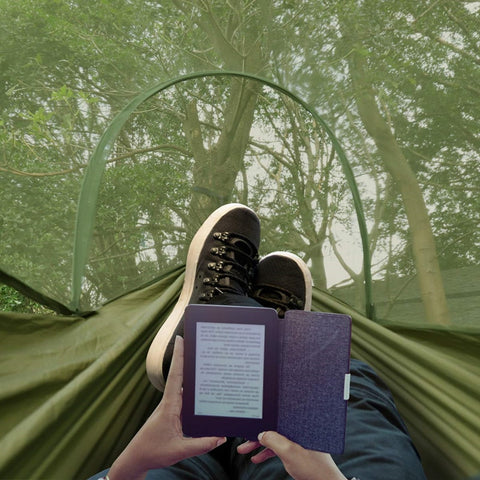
[279, 444]
[300, 463]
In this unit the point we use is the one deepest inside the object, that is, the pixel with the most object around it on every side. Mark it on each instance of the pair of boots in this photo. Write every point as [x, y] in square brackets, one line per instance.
[223, 260]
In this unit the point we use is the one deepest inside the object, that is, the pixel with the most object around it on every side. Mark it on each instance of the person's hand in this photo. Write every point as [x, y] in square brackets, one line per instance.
[300, 463]
[160, 442]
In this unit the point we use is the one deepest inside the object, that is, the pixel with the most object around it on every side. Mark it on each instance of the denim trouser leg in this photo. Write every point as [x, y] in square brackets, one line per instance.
[378, 445]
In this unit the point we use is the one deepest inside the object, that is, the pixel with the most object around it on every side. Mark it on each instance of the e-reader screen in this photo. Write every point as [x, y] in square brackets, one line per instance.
[230, 371]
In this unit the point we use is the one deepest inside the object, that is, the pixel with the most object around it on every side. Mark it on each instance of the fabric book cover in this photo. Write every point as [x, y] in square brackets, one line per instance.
[247, 371]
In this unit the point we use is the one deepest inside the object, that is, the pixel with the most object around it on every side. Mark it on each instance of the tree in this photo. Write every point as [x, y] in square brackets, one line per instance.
[373, 70]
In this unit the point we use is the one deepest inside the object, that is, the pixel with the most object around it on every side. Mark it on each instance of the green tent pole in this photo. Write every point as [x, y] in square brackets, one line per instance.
[87, 203]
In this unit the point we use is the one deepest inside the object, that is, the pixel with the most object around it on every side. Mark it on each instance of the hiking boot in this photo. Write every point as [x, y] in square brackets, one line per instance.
[221, 259]
[283, 282]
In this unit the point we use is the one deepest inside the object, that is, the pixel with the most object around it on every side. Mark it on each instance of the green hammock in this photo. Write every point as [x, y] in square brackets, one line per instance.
[73, 390]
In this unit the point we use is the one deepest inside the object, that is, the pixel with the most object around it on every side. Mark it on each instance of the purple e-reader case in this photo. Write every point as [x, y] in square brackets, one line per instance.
[247, 371]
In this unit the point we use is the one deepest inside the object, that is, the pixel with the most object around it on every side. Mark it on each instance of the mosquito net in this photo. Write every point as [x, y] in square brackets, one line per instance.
[350, 127]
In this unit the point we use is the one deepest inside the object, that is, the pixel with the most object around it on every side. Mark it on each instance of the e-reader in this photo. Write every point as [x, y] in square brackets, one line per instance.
[231, 357]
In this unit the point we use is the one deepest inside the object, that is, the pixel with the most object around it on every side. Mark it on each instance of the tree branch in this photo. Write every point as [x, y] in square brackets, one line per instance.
[123, 156]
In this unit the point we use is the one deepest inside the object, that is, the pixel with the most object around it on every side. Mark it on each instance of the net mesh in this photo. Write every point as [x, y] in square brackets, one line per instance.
[395, 83]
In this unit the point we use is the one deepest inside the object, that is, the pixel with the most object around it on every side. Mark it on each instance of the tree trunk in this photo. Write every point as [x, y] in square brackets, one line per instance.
[424, 249]
[318, 267]
[216, 169]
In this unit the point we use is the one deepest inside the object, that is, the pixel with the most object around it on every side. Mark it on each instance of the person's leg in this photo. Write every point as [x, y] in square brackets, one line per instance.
[378, 445]
[203, 467]
[240, 467]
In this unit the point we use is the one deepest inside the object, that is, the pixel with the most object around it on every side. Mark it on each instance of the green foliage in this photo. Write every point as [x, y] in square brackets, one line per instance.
[69, 67]
[13, 301]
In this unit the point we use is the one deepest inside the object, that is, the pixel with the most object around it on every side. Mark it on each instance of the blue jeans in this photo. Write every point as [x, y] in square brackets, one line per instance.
[378, 446]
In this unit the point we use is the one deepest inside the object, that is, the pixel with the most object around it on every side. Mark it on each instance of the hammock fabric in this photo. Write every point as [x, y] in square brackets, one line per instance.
[73, 390]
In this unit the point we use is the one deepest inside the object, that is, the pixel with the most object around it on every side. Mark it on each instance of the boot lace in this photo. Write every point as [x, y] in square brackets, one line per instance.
[234, 267]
